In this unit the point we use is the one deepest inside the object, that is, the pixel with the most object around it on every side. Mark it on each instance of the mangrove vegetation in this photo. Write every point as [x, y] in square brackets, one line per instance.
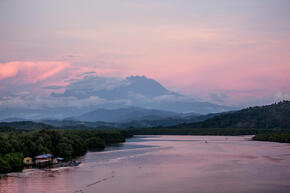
[16, 145]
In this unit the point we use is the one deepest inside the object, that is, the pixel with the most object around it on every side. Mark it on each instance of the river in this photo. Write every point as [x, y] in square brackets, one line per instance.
[168, 164]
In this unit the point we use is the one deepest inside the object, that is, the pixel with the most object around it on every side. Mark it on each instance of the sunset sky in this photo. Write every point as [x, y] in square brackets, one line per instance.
[230, 52]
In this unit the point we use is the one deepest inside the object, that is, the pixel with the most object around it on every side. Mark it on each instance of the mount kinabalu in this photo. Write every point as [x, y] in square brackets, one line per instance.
[138, 91]
[115, 89]
[93, 92]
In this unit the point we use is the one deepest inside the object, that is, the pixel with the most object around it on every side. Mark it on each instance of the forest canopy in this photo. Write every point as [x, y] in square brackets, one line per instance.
[16, 145]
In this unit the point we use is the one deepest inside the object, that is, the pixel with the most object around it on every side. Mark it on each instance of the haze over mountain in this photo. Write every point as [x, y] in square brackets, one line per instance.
[93, 92]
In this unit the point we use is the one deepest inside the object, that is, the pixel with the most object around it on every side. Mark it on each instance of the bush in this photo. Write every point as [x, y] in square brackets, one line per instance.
[95, 143]
[276, 137]
[11, 162]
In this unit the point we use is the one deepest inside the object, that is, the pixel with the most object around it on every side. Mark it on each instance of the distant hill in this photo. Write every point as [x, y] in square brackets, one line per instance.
[24, 125]
[72, 124]
[14, 119]
[128, 118]
[265, 117]
[165, 122]
[125, 115]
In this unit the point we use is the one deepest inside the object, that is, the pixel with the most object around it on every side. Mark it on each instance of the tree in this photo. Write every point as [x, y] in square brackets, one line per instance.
[95, 143]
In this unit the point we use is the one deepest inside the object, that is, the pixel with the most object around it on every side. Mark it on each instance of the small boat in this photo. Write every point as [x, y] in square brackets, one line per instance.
[74, 163]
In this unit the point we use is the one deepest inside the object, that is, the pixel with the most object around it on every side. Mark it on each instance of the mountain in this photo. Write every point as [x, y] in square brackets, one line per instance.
[264, 117]
[122, 89]
[124, 115]
[137, 91]
[93, 92]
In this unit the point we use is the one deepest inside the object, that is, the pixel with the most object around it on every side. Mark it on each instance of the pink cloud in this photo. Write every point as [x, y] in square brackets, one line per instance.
[31, 72]
[7, 70]
[40, 74]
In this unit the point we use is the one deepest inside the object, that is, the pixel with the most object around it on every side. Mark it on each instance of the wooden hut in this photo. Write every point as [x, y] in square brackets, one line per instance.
[44, 160]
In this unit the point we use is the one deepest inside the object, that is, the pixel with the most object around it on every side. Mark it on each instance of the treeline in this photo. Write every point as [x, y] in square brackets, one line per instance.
[264, 117]
[14, 146]
[25, 125]
[202, 131]
[283, 137]
[6, 129]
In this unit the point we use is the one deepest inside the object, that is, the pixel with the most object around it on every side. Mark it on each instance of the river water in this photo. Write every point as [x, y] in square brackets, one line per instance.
[168, 164]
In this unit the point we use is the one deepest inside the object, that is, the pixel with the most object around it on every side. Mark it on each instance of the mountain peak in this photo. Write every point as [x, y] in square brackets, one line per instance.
[137, 77]
[145, 86]
[144, 80]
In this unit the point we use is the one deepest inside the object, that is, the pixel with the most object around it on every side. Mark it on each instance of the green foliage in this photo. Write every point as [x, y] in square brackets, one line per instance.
[5, 129]
[22, 125]
[11, 162]
[5, 147]
[202, 131]
[61, 143]
[109, 137]
[95, 143]
[15, 160]
[276, 137]
[265, 117]
[64, 150]
[4, 165]
[251, 121]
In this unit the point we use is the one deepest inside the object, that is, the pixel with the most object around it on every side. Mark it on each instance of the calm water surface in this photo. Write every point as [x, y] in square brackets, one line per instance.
[169, 164]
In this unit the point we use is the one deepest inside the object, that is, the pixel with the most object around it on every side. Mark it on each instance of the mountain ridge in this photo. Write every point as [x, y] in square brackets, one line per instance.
[124, 114]
[276, 115]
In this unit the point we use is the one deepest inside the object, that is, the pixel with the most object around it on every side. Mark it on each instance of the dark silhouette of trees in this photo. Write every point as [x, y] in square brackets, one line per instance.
[16, 145]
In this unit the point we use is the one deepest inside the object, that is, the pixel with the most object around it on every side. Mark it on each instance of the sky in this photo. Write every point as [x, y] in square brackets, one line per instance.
[230, 52]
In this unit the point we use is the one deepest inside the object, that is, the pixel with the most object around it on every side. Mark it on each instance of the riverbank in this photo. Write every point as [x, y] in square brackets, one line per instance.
[60, 167]
[203, 131]
[274, 137]
[67, 144]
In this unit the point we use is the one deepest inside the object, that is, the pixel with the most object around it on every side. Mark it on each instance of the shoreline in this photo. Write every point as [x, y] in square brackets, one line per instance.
[28, 171]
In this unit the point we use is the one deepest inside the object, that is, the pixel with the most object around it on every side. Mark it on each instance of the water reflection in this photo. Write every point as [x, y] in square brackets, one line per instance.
[169, 164]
